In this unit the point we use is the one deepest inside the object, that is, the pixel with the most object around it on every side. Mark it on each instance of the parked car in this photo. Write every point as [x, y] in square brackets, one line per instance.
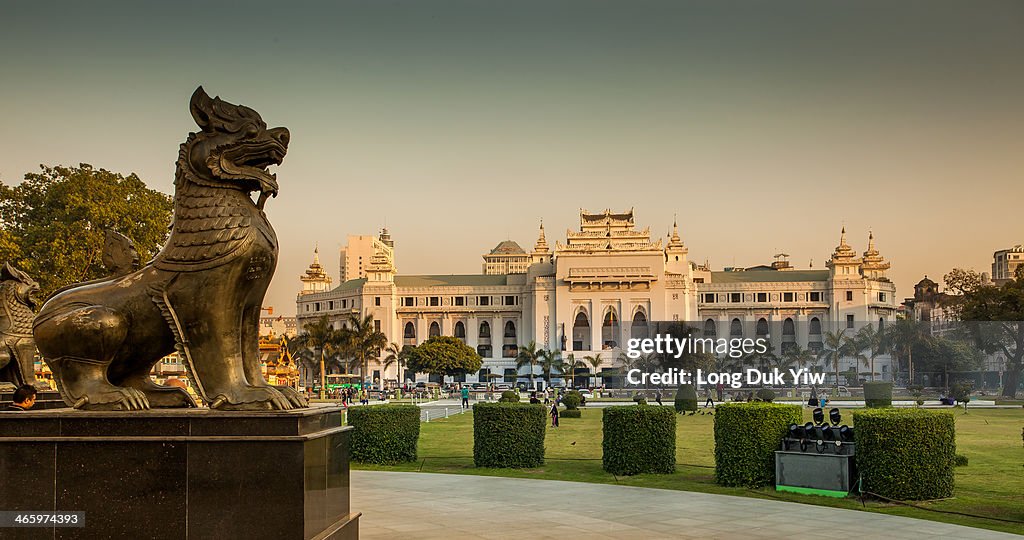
[587, 394]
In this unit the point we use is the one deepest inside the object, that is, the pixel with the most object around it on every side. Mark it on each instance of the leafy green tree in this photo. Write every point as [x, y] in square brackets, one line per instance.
[944, 355]
[994, 315]
[529, 355]
[54, 222]
[443, 355]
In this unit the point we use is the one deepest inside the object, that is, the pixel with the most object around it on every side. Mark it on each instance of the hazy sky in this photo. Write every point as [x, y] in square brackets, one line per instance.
[764, 125]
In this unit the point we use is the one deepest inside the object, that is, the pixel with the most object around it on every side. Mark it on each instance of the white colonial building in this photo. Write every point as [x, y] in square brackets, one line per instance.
[604, 284]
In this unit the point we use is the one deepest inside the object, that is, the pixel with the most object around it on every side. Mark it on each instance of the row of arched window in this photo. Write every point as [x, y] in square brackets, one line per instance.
[761, 328]
[459, 331]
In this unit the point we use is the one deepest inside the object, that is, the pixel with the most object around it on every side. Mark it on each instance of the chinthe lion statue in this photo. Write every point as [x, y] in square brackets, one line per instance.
[17, 350]
[201, 295]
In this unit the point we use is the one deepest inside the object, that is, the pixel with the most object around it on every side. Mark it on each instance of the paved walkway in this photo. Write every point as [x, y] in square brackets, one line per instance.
[450, 506]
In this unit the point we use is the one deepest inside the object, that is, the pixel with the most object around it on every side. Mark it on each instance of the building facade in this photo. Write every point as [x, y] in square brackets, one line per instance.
[1005, 262]
[603, 285]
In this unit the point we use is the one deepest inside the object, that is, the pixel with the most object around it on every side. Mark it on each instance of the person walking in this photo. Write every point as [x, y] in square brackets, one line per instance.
[465, 397]
[709, 402]
[657, 397]
[554, 415]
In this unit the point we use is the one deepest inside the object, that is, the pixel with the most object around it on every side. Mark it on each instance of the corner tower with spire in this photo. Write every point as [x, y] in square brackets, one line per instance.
[315, 280]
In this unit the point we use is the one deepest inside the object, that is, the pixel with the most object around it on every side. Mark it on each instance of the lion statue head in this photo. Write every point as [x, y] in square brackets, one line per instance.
[17, 288]
[234, 149]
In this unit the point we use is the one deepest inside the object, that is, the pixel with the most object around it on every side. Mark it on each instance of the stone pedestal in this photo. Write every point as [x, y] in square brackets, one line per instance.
[177, 474]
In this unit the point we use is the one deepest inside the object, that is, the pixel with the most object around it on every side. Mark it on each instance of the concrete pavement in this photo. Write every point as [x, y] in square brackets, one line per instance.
[425, 506]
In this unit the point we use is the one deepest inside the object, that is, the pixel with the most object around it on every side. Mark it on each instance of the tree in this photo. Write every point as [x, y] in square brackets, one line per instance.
[799, 356]
[54, 222]
[443, 355]
[528, 355]
[834, 350]
[570, 364]
[856, 345]
[395, 354]
[595, 361]
[317, 337]
[551, 360]
[364, 342]
[994, 315]
[902, 338]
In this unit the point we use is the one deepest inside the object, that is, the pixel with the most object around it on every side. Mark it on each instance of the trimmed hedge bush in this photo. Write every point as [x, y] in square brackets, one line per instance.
[571, 413]
[960, 460]
[765, 395]
[572, 400]
[639, 439]
[746, 438]
[877, 394]
[384, 434]
[640, 399]
[509, 396]
[686, 398]
[508, 435]
[906, 454]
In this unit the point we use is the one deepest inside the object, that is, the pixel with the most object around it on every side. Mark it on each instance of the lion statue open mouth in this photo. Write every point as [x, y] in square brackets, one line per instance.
[201, 295]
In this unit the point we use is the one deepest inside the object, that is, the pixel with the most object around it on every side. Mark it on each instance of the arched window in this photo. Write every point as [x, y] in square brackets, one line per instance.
[460, 331]
[762, 327]
[509, 347]
[788, 335]
[483, 348]
[435, 329]
[710, 328]
[815, 327]
[409, 334]
[610, 329]
[639, 328]
[736, 328]
[581, 332]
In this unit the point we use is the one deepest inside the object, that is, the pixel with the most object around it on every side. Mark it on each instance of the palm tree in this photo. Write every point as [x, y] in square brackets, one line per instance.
[550, 360]
[398, 355]
[529, 354]
[902, 336]
[594, 360]
[571, 363]
[317, 337]
[800, 356]
[834, 350]
[873, 342]
[855, 347]
[364, 342]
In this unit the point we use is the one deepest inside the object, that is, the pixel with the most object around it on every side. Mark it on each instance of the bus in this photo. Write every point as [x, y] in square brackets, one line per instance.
[343, 380]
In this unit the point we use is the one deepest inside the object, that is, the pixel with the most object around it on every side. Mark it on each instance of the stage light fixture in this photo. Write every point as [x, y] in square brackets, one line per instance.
[834, 416]
[819, 416]
[846, 433]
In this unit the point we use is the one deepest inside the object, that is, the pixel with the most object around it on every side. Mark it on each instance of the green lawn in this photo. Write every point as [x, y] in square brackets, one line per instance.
[992, 485]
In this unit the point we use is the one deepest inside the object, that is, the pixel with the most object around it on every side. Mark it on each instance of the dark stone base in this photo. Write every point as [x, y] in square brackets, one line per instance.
[176, 474]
